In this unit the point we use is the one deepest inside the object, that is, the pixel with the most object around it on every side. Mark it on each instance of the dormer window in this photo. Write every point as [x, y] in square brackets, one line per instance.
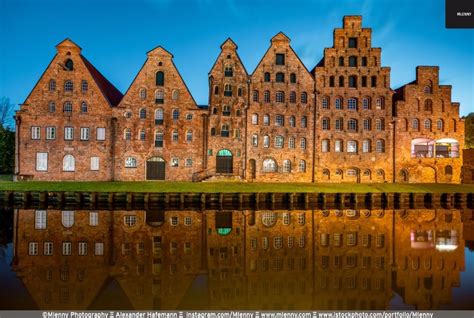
[280, 59]
[69, 64]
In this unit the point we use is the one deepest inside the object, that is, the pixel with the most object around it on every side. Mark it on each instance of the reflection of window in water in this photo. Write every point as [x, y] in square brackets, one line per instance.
[446, 240]
[421, 239]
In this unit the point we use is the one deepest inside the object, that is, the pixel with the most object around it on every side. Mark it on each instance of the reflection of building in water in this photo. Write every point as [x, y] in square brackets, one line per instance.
[279, 260]
[157, 255]
[353, 258]
[62, 256]
[225, 240]
[429, 255]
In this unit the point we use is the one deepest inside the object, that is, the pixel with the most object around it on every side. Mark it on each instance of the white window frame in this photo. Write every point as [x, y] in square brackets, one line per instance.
[50, 133]
[95, 162]
[48, 248]
[93, 218]
[130, 220]
[35, 132]
[67, 218]
[99, 248]
[33, 248]
[85, 133]
[68, 133]
[82, 248]
[41, 219]
[67, 248]
[69, 163]
[41, 161]
[100, 133]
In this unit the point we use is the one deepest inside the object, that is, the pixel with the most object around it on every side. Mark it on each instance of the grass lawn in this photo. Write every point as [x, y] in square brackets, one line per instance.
[210, 187]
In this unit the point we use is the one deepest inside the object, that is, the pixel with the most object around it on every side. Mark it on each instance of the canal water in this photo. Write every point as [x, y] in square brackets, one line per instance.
[236, 259]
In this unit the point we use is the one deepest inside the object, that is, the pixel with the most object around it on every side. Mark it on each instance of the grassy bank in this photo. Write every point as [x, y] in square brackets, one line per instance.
[228, 187]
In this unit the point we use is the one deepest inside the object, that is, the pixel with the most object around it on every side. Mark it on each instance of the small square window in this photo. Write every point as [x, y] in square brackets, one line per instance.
[353, 42]
[280, 59]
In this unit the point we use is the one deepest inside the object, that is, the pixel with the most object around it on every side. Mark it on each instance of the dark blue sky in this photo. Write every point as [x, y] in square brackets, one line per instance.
[115, 36]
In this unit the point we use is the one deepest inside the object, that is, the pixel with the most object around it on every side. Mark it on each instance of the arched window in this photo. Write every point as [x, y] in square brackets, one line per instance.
[142, 93]
[366, 146]
[226, 110]
[352, 104]
[68, 86]
[338, 145]
[266, 96]
[52, 107]
[366, 103]
[325, 145]
[159, 116]
[286, 166]
[304, 122]
[228, 72]
[341, 61]
[304, 98]
[266, 77]
[67, 107]
[280, 77]
[279, 120]
[380, 103]
[52, 85]
[280, 97]
[448, 170]
[254, 119]
[428, 124]
[325, 124]
[302, 166]
[142, 134]
[127, 134]
[69, 163]
[326, 172]
[213, 131]
[67, 220]
[353, 81]
[269, 165]
[266, 120]
[69, 65]
[175, 135]
[440, 124]
[428, 105]
[84, 107]
[291, 142]
[216, 90]
[338, 103]
[160, 78]
[142, 113]
[380, 146]
[338, 172]
[352, 124]
[415, 124]
[279, 141]
[158, 139]
[269, 218]
[427, 89]
[255, 96]
[341, 81]
[380, 124]
[255, 140]
[367, 124]
[225, 130]
[175, 114]
[303, 143]
[292, 121]
[159, 97]
[189, 136]
[175, 94]
[130, 162]
[84, 86]
[292, 97]
[266, 141]
[352, 146]
[292, 78]
[325, 103]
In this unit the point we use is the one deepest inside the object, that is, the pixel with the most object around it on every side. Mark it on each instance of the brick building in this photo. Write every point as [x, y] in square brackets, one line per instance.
[341, 122]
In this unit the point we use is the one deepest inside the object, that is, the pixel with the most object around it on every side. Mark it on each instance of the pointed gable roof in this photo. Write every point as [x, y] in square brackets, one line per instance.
[280, 37]
[68, 44]
[113, 95]
[159, 50]
[229, 44]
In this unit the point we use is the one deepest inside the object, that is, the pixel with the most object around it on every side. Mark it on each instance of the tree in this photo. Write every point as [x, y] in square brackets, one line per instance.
[469, 131]
[6, 111]
[7, 137]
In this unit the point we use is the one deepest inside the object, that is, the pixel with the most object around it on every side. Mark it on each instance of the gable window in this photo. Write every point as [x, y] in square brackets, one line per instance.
[280, 97]
[303, 143]
[280, 77]
[52, 85]
[266, 77]
[189, 136]
[142, 94]
[35, 132]
[159, 116]
[255, 96]
[142, 113]
[228, 72]
[266, 120]
[239, 91]
[52, 107]
[69, 163]
[41, 161]
[304, 98]
[216, 90]
[68, 86]
[85, 132]
[175, 94]
[225, 131]
[352, 61]
[40, 219]
[50, 133]
[69, 64]
[227, 90]
[94, 163]
[100, 133]
[352, 42]
[68, 133]
[266, 96]
[160, 78]
[353, 81]
[67, 107]
[84, 86]
[292, 78]
[159, 97]
[175, 114]
[280, 59]
[331, 81]
[159, 140]
[130, 162]
[84, 107]
[303, 122]
[428, 105]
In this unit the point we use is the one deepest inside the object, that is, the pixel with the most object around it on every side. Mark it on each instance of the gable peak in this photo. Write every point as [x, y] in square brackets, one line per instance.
[280, 37]
[229, 44]
[159, 51]
[68, 45]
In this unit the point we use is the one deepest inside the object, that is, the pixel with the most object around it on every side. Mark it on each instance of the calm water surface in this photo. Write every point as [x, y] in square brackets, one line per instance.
[275, 260]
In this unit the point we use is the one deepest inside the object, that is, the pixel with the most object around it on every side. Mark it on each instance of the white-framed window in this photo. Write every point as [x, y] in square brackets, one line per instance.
[269, 218]
[68, 86]
[280, 97]
[84, 86]
[302, 166]
[304, 122]
[50, 133]
[365, 103]
[303, 143]
[366, 145]
[40, 219]
[440, 124]
[254, 119]
[35, 132]
[255, 140]
[68, 133]
[85, 133]
[380, 146]
[427, 124]
[48, 248]
[337, 239]
[174, 220]
[325, 145]
[269, 165]
[82, 248]
[52, 85]
[367, 124]
[286, 218]
[67, 248]
[94, 163]
[325, 124]
[324, 239]
[52, 107]
[286, 166]
[352, 146]
[130, 220]
[189, 136]
[33, 248]
[84, 107]
[279, 141]
[351, 239]
[301, 218]
[266, 141]
[41, 161]
[325, 103]
[253, 243]
[69, 163]
[379, 124]
[174, 162]
[93, 218]
[266, 120]
[338, 103]
[142, 93]
[99, 248]
[67, 218]
[67, 107]
[278, 242]
[131, 162]
[100, 133]
[338, 145]
[352, 104]
[175, 114]
[188, 221]
[291, 142]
